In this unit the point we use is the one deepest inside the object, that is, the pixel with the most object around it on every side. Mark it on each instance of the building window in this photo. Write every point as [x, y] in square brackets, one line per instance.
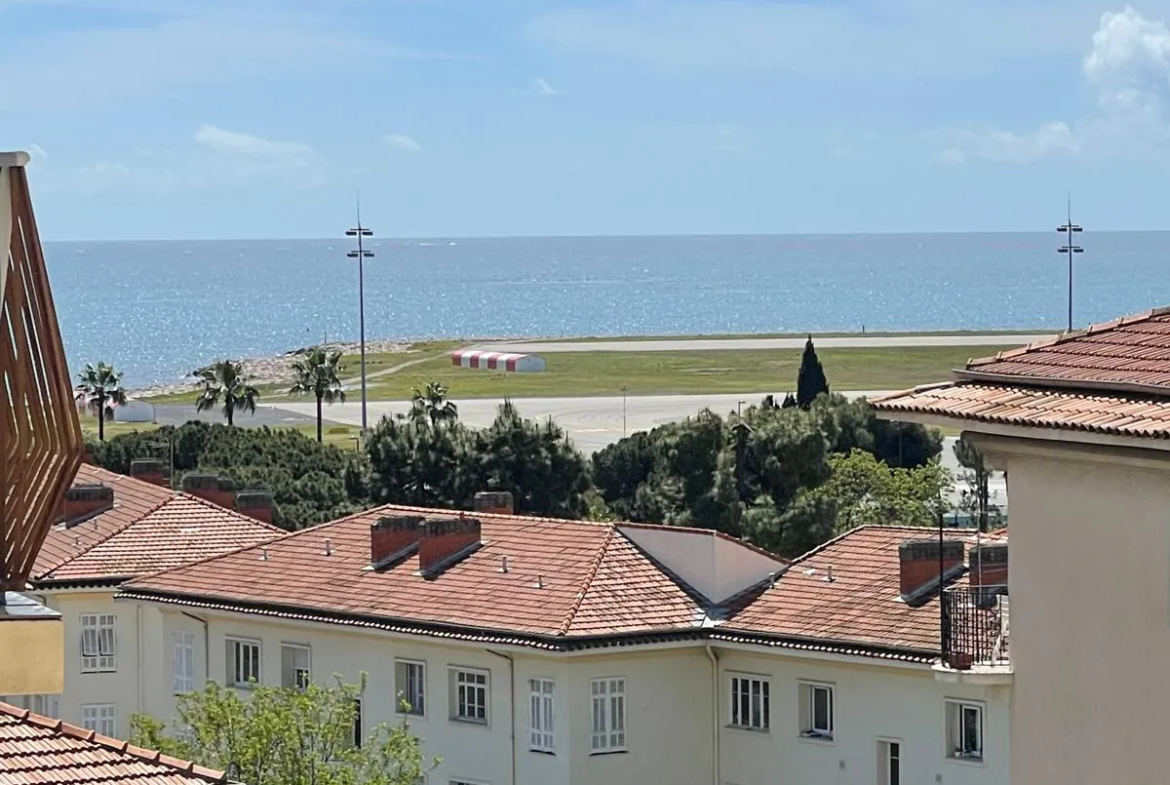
[889, 762]
[749, 702]
[540, 709]
[243, 662]
[294, 666]
[469, 695]
[410, 687]
[609, 715]
[44, 705]
[184, 661]
[100, 717]
[99, 643]
[359, 734]
[965, 730]
[816, 710]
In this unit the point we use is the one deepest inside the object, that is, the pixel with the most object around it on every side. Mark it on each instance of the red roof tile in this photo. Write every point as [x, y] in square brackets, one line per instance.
[564, 579]
[1118, 415]
[861, 606]
[148, 529]
[1132, 353]
[36, 750]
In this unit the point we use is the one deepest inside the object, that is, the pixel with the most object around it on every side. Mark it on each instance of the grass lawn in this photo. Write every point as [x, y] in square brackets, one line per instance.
[647, 373]
[725, 336]
[343, 436]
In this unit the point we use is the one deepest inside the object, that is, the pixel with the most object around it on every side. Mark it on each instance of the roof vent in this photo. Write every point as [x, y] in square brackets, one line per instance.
[328, 547]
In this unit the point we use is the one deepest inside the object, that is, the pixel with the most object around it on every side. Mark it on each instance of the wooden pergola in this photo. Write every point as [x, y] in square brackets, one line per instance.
[40, 436]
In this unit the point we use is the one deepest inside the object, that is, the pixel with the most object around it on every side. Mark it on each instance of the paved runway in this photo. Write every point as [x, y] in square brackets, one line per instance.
[731, 344]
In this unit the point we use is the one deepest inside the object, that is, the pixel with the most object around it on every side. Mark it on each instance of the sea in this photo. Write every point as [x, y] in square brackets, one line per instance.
[159, 310]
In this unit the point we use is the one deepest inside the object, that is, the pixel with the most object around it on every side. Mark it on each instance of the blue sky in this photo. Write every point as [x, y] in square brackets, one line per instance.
[260, 118]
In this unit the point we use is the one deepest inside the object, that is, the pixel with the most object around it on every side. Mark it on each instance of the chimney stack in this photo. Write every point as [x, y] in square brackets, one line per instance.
[989, 564]
[445, 539]
[86, 500]
[212, 488]
[919, 565]
[498, 502]
[392, 535]
[149, 470]
[255, 504]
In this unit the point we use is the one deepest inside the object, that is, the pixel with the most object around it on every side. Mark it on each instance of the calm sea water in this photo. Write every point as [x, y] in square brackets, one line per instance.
[159, 309]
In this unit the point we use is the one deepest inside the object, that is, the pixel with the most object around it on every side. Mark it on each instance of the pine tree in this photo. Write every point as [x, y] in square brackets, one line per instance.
[810, 381]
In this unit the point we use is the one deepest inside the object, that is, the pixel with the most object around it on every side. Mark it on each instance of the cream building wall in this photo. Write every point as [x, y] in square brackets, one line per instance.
[1090, 588]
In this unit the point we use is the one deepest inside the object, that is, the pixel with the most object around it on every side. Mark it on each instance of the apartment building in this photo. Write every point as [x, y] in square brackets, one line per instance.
[112, 528]
[1080, 425]
[530, 650]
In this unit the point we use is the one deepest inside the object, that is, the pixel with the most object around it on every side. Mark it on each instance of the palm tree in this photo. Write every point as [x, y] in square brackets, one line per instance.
[318, 375]
[431, 402]
[224, 382]
[102, 385]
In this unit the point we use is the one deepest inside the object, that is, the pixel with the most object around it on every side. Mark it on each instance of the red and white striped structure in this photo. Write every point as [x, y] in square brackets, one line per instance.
[498, 361]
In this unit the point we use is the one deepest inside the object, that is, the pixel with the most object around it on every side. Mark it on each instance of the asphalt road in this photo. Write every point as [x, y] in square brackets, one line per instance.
[730, 344]
[179, 413]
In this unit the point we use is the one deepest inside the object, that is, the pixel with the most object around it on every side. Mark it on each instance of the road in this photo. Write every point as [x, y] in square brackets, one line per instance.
[732, 344]
[179, 413]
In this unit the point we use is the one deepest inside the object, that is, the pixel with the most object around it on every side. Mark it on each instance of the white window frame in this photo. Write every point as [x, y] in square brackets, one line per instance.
[809, 728]
[101, 718]
[749, 698]
[99, 643]
[183, 661]
[296, 677]
[44, 704]
[470, 690]
[541, 714]
[608, 712]
[234, 667]
[403, 679]
[956, 730]
[887, 755]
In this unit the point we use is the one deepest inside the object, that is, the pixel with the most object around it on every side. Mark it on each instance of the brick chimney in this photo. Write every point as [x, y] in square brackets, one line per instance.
[149, 470]
[255, 504]
[85, 501]
[918, 565]
[444, 539]
[212, 488]
[394, 534]
[499, 502]
[989, 564]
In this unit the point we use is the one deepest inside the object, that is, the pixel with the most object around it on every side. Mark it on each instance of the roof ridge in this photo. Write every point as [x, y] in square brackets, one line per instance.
[116, 745]
[586, 584]
[827, 543]
[1095, 328]
[220, 507]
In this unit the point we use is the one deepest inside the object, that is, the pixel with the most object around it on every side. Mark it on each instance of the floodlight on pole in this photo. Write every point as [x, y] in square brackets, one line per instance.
[1068, 230]
[361, 254]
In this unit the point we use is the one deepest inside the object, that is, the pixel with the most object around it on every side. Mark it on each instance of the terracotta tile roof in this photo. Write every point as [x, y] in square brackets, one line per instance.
[148, 529]
[564, 579]
[36, 750]
[1132, 353]
[861, 606]
[1119, 415]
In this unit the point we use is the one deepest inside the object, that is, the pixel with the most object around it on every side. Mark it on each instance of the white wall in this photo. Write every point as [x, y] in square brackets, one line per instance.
[1090, 586]
[872, 702]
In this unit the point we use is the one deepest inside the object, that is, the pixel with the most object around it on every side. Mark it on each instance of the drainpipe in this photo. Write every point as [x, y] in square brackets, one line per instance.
[206, 647]
[714, 711]
[511, 707]
[138, 636]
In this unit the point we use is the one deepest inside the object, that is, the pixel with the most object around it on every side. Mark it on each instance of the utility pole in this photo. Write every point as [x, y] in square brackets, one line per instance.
[1068, 230]
[361, 254]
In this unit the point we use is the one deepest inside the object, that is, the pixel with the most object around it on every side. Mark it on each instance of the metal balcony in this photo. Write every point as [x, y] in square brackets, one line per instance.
[975, 634]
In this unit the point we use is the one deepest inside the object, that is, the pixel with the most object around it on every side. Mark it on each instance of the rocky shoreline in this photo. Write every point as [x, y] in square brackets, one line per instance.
[269, 370]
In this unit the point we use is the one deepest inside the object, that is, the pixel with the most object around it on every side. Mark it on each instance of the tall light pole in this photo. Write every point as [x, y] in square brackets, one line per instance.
[361, 254]
[624, 390]
[1068, 230]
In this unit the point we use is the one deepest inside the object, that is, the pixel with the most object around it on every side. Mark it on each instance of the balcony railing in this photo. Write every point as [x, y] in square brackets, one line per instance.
[975, 627]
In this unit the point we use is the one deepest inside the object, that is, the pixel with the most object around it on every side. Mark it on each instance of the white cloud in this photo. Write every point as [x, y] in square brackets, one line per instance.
[1128, 64]
[235, 143]
[542, 87]
[407, 144]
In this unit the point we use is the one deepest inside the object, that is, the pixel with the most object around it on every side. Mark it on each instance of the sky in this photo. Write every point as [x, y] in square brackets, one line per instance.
[205, 119]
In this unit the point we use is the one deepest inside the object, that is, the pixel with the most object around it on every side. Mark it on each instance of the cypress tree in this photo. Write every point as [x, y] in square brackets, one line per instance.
[810, 381]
